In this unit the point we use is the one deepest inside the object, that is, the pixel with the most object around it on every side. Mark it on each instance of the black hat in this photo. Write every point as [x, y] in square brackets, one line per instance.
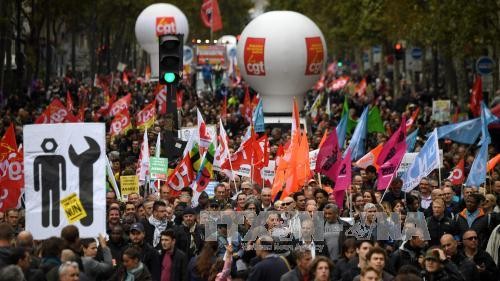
[189, 211]
[137, 226]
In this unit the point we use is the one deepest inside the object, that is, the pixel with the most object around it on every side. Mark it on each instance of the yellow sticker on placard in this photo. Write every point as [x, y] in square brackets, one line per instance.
[73, 208]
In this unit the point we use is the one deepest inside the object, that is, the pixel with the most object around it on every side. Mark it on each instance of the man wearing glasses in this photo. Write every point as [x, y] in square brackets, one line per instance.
[291, 216]
[484, 262]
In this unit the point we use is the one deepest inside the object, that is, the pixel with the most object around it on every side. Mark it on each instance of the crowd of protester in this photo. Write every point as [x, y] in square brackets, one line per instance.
[162, 236]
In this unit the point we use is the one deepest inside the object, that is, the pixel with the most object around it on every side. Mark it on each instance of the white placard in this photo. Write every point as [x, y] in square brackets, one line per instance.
[54, 156]
[185, 133]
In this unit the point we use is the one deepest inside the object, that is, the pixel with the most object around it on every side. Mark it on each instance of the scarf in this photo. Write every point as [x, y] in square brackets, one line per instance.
[159, 227]
[192, 244]
[131, 273]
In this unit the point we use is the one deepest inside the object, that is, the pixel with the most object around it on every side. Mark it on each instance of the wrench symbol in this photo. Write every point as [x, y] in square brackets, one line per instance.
[85, 161]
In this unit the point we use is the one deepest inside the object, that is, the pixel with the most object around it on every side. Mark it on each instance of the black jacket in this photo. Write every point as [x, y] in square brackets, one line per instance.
[482, 225]
[449, 272]
[142, 275]
[406, 254]
[438, 227]
[151, 260]
[149, 230]
[351, 270]
[270, 268]
[491, 272]
[466, 267]
[183, 240]
[178, 270]
[341, 266]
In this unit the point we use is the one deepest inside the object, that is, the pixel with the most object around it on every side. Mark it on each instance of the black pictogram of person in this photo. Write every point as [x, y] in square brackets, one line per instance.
[85, 162]
[50, 179]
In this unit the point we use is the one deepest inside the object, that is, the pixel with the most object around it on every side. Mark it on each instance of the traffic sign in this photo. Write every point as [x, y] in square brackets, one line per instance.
[484, 65]
[416, 53]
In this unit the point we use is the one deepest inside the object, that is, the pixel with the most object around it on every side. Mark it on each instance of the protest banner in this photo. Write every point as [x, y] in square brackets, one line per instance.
[59, 160]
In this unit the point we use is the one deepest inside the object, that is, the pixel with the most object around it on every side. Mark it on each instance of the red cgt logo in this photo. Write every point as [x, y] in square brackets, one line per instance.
[315, 54]
[165, 25]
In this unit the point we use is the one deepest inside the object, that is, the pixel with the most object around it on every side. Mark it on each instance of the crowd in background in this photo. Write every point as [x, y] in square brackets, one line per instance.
[161, 236]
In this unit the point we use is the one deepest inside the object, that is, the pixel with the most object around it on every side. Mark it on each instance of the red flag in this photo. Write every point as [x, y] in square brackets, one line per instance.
[146, 117]
[69, 102]
[120, 124]
[242, 156]
[11, 170]
[56, 112]
[412, 119]
[120, 105]
[125, 78]
[361, 87]
[476, 97]
[246, 109]
[183, 174]
[178, 98]
[161, 98]
[457, 176]
[210, 14]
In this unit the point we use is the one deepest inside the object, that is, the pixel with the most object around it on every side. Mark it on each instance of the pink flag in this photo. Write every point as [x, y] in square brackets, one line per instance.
[389, 149]
[329, 157]
[391, 156]
[343, 180]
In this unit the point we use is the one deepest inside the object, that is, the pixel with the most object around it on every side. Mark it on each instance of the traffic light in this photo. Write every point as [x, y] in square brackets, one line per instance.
[171, 52]
[399, 51]
[339, 63]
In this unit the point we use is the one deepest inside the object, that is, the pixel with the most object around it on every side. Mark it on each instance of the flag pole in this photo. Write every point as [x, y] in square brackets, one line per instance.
[319, 181]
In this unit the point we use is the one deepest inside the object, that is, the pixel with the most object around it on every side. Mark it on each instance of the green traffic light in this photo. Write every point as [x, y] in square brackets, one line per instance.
[169, 77]
[339, 64]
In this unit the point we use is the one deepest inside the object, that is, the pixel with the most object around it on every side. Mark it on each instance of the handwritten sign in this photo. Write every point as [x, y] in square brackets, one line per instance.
[129, 184]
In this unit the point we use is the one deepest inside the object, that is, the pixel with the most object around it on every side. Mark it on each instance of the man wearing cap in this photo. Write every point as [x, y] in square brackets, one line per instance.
[149, 256]
[438, 267]
[189, 235]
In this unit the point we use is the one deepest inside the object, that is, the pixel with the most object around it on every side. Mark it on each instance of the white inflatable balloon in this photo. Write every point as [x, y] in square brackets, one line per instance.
[156, 20]
[281, 55]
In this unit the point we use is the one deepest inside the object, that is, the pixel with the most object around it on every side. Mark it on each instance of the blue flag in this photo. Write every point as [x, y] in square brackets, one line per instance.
[477, 173]
[357, 144]
[342, 130]
[426, 161]
[463, 132]
[486, 118]
[258, 117]
[411, 139]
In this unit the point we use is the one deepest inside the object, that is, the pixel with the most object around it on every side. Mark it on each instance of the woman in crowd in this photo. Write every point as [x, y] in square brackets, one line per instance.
[132, 269]
[321, 268]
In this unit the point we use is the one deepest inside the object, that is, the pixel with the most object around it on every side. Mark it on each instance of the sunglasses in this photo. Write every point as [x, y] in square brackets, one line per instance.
[286, 203]
[471, 238]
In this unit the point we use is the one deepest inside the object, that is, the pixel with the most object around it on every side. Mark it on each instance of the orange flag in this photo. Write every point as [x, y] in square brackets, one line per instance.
[295, 117]
[493, 162]
[370, 158]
